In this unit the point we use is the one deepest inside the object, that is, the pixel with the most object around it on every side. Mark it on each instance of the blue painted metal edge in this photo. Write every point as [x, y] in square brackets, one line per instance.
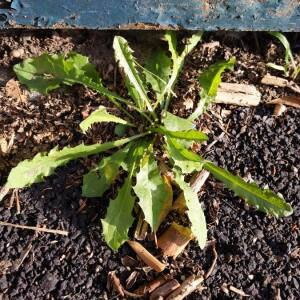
[279, 15]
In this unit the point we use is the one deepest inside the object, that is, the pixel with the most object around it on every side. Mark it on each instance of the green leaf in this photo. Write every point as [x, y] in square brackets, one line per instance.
[288, 52]
[98, 180]
[170, 37]
[211, 77]
[150, 189]
[123, 54]
[194, 209]
[276, 67]
[191, 135]
[174, 123]
[132, 92]
[264, 200]
[98, 116]
[182, 158]
[158, 71]
[49, 72]
[191, 43]
[119, 217]
[42, 165]
[120, 130]
[178, 61]
[209, 81]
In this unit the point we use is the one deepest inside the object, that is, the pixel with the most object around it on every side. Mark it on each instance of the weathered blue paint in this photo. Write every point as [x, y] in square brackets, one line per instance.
[281, 15]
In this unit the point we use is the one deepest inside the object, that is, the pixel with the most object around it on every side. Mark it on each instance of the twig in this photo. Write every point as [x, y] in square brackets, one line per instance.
[287, 100]
[18, 207]
[132, 295]
[11, 200]
[146, 256]
[214, 262]
[238, 94]
[3, 192]
[277, 295]
[281, 82]
[187, 287]
[18, 262]
[214, 142]
[165, 289]
[279, 109]
[116, 283]
[238, 291]
[61, 232]
[152, 285]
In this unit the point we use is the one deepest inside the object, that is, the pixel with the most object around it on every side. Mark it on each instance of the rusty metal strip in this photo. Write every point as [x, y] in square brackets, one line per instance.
[280, 15]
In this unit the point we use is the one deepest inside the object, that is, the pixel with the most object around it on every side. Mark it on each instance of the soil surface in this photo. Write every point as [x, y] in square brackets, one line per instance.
[257, 254]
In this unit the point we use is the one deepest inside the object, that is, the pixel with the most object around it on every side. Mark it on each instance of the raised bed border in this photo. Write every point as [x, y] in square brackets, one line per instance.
[252, 15]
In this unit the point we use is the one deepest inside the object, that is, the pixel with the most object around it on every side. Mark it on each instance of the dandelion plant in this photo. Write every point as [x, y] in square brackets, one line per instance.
[159, 134]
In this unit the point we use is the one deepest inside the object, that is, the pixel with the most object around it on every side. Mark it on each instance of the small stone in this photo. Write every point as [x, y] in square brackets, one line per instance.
[89, 283]
[17, 53]
[259, 233]
[3, 283]
[49, 282]
[296, 284]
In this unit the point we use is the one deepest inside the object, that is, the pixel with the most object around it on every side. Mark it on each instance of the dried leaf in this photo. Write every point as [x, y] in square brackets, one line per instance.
[151, 190]
[12, 89]
[174, 240]
[287, 100]
[130, 281]
[116, 283]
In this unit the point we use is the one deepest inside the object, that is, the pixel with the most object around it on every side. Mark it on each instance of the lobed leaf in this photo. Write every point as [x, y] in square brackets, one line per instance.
[182, 157]
[98, 116]
[178, 61]
[264, 200]
[119, 217]
[170, 37]
[288, 52]
[175, 123]
[191, 135]
[158, 71]
[194, 209]
[192, 43]
[124, 57]
[151, 190]
[48, 72]
[42, 165]
[209, 81]
[98, 180]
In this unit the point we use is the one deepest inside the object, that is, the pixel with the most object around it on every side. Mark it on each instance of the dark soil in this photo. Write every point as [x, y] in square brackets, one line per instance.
[256, 253]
